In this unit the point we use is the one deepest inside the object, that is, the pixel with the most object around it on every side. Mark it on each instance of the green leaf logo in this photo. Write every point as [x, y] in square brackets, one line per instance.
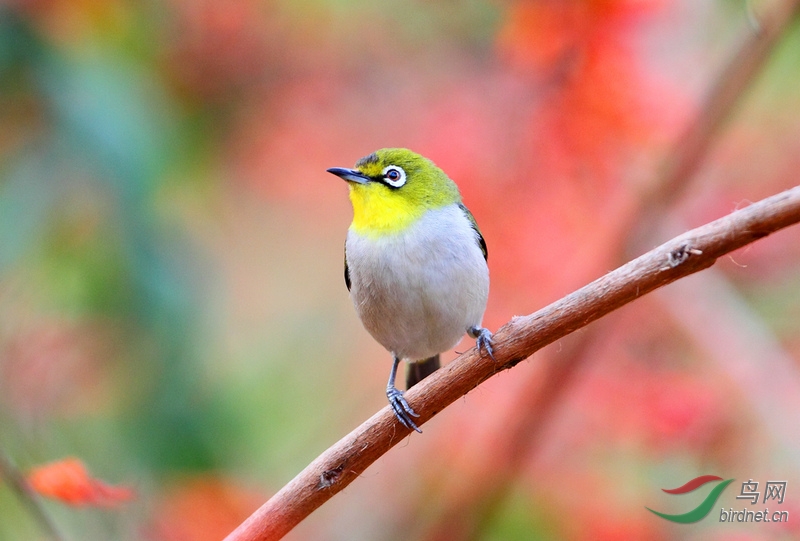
[705, 506]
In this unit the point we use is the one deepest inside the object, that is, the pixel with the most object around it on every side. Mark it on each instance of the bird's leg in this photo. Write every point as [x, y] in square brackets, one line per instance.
[401, 409]
[483, 339]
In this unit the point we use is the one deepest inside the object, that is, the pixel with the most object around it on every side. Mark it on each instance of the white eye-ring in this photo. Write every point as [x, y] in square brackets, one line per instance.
[394, 176]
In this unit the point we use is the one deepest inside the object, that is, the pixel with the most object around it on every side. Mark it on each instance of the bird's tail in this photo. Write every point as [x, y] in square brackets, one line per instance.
[419, 370]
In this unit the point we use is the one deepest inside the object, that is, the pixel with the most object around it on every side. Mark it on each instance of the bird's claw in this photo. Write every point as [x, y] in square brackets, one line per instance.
[401, 409]
[483, 339]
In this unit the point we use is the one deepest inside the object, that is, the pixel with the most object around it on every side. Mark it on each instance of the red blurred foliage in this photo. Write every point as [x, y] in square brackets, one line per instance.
[54, 366]
[598, 97]
[218, 49]
[69, 481]
[202, 508]
[604, 523]
[677, 406]
[672, 410]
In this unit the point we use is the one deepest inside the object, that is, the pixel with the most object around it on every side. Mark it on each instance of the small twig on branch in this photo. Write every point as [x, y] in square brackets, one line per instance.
[515, 341]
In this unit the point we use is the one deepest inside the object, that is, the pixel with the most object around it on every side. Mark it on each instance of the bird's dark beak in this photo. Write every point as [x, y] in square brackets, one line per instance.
[350, 175]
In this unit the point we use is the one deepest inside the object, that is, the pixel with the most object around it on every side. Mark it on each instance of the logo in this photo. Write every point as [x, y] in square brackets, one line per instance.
[705, 506]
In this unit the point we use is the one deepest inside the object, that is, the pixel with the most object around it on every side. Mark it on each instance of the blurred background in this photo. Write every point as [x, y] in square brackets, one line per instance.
[172, 306]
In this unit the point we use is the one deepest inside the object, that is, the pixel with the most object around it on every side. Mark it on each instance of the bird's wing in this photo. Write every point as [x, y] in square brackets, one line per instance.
[346, 270]
[474, 224]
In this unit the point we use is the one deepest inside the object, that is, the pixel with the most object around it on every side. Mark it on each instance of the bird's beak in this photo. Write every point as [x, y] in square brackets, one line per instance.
[350, 175]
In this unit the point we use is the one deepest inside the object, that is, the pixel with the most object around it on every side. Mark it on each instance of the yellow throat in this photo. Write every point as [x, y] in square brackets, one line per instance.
[378, 212]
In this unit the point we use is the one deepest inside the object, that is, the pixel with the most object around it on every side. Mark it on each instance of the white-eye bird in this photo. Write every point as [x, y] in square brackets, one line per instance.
[415, 264]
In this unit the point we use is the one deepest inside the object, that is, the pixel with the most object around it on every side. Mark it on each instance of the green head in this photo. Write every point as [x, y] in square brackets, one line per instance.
[393, 187]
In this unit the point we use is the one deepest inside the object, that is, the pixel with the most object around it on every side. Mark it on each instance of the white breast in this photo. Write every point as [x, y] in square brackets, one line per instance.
[418, 292]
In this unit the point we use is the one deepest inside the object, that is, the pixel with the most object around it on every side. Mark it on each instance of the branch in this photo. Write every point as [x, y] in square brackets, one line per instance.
[686, 254]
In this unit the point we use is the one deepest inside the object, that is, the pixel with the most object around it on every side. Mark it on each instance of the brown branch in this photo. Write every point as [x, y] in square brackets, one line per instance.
[686, 254]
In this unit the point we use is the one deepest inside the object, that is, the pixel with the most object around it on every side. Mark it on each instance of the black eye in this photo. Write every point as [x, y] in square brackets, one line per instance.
[394, 176]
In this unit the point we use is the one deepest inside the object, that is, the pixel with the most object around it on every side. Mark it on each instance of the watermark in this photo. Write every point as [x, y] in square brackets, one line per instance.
[774, 491]
[699, 512]
[745, 515]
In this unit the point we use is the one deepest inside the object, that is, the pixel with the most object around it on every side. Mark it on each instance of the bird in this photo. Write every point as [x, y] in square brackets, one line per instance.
[415, 264]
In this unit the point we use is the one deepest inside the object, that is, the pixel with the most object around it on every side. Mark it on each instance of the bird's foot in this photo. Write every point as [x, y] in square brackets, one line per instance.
[401, 409]
[483, 339]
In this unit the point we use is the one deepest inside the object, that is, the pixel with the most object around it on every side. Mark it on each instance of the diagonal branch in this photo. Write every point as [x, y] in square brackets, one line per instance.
[468, 511]
[686, 254]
